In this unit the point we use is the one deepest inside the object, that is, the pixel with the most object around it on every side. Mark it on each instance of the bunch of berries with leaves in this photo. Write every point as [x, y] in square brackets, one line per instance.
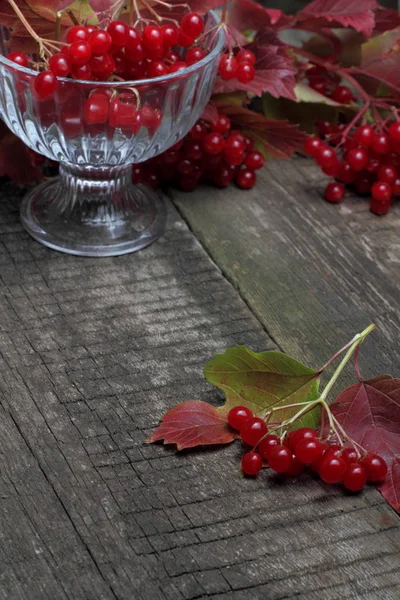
[275, 408]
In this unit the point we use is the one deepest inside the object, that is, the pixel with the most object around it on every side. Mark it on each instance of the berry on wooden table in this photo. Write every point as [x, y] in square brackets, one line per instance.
[265, 446]
[334, 192]
[332, 469]
[251, 463]
[280, 459]
[238, 415]
[375, 467]
[355, 478]
[252, 431]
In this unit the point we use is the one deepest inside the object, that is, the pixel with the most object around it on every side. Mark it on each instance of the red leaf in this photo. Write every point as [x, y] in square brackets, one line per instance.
[386, 19]
[246, 14]
[370, 414]
[275, 138]
[357, 14]
[193, 423]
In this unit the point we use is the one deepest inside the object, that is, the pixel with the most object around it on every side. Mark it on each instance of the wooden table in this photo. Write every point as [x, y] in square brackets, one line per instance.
[94, 351]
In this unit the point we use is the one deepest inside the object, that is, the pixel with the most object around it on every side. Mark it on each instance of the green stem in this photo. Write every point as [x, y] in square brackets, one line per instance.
[359, 339]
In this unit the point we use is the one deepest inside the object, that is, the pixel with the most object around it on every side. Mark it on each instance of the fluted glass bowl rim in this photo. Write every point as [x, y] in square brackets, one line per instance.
[219, 44]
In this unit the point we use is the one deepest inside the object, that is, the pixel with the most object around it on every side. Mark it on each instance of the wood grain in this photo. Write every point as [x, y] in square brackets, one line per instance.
[92, 353]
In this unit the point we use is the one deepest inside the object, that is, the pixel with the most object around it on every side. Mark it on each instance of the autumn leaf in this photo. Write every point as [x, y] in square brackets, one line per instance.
[193, 423]
[276, 138]
[357, 14]
[369, 412]
[386, 19]
[261, 380]
[246, 14]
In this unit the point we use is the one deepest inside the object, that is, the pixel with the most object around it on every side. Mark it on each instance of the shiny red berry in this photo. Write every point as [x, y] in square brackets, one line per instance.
[342, 94]
[355, 477]
[213, 143]
[332, 469]
[375, 466]
[303, 433]
[251, 463]
[253, 430]
[227, 67]
[171, 35]
[245, 179]
[280, 459]
[380, 143]
[60, 65]
[394, 131]
[119, 33]
[45, 84]
[192, 24]
[19, 58]
[345, 173]
[334, 192]
[245, 73]
[308, 451]
[77, 33]
[80, 53]
[364, 136]
[357, 159]
[152, 37]
[387, 173]
[238, 415]
[95, 110]
[254, 160]
[349, 455]
[100, 42]
[245, 56]
[266, 445]
[311, 145]
[193, 55]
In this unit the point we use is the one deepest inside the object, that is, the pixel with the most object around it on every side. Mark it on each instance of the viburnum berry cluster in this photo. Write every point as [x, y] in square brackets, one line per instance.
[238, 66]
[118, 53]
[290, 453]
[367, 162]
[211, 153]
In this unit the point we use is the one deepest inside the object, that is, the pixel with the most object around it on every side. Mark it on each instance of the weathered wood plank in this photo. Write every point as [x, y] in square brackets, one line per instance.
[313, 273]
[92, 352]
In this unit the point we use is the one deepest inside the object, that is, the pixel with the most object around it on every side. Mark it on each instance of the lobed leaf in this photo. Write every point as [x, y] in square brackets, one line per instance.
[357, 14]
[263, 380]
[369, 412]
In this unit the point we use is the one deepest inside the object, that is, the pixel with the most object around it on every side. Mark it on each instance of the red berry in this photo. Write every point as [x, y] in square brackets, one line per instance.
[251, 463]
[296, 467]
[234, 150]
[315, 466]
[394, 131]
[396, 187]
[60, 65]
[193, 55]
[156, 68]
[176, 67]
[153, 37]
[319, 85]
[122, 111]
[172, 57]
[349, 455]
[222, 176]
[213, 143]
[80, 53]
[332, 469]
[135, 55]
[221, 125]
[171, 35]
[266, 445]
[82, 72]
[95, 110]
[334, 450]
[192, 24]
[245, 56]
[45, 84]
[245, 179]
[280, 458]
[326, 157]
[198, 131]
[380, 143]
[252, 431]
[119, 33]
[133, 40]
[304, 433]
[324, 128]
[375, 467]
[342, 94]
[227, 67]
[76, 34]
[381, 191]
[254, 161]
[357, 159]
[308, 451]
[245, 72]
[238, 415]
[346, 173]
[355, 477]
[387, 173]
[311, 145]
[19, 58]
[100, 42]
[184, 40]
[334, 192]
[102, 66]
[364, 136]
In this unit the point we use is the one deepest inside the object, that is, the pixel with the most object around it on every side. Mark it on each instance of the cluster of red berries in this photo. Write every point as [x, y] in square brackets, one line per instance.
[238, 66]
[210, 153]
[95, 54]
[370, 164]
[302, 448]
[328, 84]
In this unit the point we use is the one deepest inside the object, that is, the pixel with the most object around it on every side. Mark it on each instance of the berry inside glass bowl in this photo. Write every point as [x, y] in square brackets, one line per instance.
[98, 129]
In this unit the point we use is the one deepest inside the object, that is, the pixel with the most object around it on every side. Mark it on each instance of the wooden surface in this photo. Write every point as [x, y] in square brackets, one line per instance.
[92, 353]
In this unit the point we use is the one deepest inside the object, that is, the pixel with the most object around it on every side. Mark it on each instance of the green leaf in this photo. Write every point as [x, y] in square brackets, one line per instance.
[304, 93]
[262, 380]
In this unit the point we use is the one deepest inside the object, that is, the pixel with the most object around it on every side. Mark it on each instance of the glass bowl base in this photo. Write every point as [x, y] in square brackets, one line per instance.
[93, 225]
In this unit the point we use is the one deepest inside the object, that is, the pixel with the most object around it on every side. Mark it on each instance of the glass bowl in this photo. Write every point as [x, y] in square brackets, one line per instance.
[92, 208]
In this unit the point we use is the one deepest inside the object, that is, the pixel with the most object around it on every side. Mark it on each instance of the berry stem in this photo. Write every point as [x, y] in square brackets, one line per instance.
[357, 341]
